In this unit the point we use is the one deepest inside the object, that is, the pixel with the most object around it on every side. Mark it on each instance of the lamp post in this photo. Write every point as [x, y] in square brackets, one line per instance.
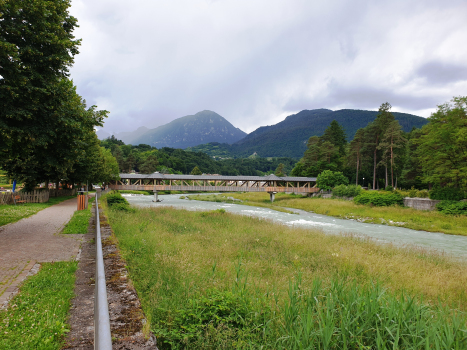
[363, 182]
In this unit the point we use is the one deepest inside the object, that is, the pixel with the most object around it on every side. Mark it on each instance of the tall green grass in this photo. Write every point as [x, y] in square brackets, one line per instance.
[213, 280]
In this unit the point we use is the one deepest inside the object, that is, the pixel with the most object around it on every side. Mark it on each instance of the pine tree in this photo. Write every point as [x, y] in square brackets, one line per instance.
[335, 134]
[392, 140]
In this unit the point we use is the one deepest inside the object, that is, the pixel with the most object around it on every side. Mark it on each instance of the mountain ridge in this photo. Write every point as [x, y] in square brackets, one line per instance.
[191, 130]
[288, 138]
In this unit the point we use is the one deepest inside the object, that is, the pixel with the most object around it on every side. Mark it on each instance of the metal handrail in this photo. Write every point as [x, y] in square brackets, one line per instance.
[102, 335]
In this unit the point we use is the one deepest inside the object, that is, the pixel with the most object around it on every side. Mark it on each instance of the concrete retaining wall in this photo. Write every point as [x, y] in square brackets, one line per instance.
[420, 203]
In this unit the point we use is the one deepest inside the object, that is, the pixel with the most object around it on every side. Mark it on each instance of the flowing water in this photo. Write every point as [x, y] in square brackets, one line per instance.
[449, 244]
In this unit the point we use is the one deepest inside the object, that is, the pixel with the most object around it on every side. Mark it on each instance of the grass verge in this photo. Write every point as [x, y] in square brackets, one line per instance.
[216, 280]
[432, 221]
[36, 317]
[79, 222]
[13, 213]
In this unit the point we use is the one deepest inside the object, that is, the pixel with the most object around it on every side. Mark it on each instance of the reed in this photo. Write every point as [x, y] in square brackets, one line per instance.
[216, 280]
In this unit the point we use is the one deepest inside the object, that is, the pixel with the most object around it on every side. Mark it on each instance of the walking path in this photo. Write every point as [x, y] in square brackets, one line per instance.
[32, 240]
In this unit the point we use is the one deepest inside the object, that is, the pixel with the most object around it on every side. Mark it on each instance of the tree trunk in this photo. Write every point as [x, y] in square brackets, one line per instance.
[386, 171]
[374, 170]
[356, 180]
[392, 166]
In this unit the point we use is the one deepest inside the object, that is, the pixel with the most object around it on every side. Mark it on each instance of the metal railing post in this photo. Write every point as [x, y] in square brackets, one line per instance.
[102, 335]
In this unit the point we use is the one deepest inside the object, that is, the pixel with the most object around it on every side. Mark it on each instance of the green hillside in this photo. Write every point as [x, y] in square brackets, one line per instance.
[288, 138]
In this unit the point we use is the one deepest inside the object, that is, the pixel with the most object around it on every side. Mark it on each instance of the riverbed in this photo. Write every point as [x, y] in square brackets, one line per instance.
[448, 244]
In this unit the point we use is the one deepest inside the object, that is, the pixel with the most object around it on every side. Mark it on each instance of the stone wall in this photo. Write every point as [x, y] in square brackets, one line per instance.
[420, 203]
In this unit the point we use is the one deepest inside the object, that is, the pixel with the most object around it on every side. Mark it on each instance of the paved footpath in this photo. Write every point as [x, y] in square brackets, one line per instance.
[32, 240]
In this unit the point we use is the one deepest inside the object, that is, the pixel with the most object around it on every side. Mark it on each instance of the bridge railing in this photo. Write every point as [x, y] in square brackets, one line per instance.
[215, 188]
[102, 335]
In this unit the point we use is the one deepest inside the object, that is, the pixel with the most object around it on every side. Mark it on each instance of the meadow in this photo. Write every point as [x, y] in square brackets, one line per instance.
[431, 221]
[214, 280]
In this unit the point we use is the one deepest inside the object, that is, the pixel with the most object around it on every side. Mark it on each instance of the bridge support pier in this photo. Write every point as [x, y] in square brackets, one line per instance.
[272, 196]
[155, 197]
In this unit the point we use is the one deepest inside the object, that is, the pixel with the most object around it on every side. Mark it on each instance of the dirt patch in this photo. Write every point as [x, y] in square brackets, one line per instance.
[126, 316]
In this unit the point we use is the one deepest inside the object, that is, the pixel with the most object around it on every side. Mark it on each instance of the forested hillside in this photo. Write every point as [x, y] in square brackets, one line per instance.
[146, 159]
[289, 137]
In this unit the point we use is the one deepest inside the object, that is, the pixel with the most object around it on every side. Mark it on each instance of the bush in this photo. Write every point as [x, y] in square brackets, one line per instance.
[115, 198]
[379, 199]
[346, 191]
[447, 194]
[328, 179]
[413, 193]
[389, 189]
[115, 201]
[452, 207]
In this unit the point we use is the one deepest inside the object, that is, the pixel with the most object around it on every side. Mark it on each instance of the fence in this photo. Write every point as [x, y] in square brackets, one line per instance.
[29, 197]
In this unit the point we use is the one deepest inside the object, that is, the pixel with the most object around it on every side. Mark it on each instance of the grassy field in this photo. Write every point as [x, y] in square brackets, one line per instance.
[79, 222]
[395, 215]
[214, 280]
[36, 317]
[13, 213]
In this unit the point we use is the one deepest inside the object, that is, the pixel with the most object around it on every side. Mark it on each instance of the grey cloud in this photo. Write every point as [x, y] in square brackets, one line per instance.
[437, 72]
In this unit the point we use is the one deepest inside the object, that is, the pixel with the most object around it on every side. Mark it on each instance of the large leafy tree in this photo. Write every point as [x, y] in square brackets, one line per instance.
[328, 179]
[36, 50]
[44, 123]
[442, 149]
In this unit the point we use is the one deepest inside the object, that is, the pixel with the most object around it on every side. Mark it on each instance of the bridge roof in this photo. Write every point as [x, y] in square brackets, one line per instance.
[160, 176]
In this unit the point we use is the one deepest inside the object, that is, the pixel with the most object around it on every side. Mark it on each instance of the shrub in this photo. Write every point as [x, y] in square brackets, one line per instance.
[328, 179]
[447, 194]
[379, 199]
[346, 191]
[452, 207]
[114, 198]
[115, 201]
[389, 189]
[423, 194]
[413, 193]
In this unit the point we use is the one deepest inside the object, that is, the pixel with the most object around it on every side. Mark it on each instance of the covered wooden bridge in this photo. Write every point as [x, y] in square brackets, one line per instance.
[215, 183]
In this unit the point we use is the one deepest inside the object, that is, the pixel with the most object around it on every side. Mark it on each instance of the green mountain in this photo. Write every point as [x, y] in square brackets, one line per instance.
[192, 130]
[288, 138]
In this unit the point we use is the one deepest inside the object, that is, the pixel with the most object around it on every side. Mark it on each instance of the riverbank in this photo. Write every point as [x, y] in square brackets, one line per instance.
[431, 221]
[213, 279]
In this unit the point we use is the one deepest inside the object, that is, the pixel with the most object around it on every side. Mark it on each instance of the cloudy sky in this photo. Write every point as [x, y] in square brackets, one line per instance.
[256, 61]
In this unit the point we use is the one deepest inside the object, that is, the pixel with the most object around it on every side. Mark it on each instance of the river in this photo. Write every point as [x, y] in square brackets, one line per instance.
[449, 244]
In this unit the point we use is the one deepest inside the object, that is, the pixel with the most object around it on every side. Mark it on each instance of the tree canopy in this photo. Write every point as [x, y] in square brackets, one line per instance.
[46, 129]
[442, 147]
